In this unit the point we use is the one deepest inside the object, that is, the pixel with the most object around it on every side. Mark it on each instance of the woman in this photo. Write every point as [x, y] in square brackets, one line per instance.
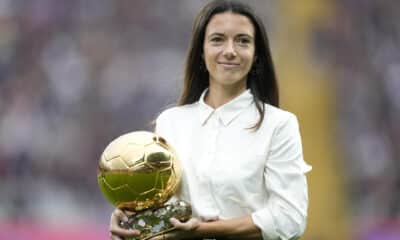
[244, 172]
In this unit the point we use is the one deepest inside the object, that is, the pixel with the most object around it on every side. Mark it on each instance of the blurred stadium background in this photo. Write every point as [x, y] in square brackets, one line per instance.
[74, 74]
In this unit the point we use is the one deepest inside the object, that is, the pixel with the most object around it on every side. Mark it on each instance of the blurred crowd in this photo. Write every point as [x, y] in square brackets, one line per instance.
[75, 74]
[361, 45]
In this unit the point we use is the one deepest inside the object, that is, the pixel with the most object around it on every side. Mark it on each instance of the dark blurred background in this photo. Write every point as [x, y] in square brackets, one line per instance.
[75, 74]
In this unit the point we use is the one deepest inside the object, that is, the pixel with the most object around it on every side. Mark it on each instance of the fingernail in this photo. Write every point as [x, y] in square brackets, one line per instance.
[173, 220]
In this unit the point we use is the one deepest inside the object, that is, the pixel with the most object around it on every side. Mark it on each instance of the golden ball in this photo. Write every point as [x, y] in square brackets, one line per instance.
[138, 170]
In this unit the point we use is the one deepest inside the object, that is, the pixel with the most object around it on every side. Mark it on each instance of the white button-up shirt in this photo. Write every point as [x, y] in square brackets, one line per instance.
[232, 171]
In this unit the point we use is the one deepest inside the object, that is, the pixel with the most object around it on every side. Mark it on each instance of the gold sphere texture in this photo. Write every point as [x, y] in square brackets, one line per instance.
[138, 170]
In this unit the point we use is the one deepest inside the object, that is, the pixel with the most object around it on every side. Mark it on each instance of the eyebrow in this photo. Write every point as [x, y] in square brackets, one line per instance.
[245, 35]
[221, 34]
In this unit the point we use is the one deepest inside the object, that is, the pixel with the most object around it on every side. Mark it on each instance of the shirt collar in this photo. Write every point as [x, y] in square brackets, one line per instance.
[227, 112]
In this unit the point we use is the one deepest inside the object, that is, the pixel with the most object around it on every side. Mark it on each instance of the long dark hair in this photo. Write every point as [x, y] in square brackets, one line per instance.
[261, 79]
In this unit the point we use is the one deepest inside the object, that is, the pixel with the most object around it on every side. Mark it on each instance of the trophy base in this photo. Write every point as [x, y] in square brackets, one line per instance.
[154, 222]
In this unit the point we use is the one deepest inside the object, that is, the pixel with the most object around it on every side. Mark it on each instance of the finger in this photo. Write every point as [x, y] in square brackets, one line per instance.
[194, 222]
[176, 223]
[119, 215]
[124, 232]
[114, 237]
[187, 226]
[129, 213]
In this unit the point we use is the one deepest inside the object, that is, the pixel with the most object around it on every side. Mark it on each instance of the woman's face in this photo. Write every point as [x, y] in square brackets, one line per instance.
[229, 47]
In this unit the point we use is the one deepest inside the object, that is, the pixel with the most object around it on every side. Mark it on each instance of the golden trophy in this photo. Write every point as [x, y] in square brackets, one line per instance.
[140, 171]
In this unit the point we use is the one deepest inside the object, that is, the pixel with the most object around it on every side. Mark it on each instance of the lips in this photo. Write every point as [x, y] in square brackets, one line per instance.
[229, 64]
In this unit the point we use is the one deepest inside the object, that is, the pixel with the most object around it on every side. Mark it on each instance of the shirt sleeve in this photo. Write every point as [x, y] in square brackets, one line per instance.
[163, 127]
[285, 213]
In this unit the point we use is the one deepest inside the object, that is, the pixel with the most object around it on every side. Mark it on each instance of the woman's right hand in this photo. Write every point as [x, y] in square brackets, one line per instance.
[117, 232]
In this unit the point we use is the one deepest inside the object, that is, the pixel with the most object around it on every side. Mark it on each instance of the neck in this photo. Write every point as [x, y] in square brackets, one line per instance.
[219, 95]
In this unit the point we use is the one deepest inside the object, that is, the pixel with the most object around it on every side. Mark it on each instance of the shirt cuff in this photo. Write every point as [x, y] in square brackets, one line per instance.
[264, 220]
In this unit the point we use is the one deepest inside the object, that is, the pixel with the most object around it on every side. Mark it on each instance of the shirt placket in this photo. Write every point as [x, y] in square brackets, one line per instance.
[209, 169]
[212, 139]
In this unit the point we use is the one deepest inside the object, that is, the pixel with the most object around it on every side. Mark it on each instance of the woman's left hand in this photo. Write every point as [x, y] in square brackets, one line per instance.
[183, 230]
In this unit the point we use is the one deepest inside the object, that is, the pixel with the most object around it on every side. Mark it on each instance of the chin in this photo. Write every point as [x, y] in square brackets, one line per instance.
[231, 84]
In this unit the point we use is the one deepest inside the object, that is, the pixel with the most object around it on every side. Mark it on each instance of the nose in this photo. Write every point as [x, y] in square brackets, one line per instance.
[229, 50]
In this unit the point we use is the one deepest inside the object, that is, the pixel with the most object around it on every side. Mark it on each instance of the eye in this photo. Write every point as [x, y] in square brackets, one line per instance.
[216, 39]
[243, 41]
